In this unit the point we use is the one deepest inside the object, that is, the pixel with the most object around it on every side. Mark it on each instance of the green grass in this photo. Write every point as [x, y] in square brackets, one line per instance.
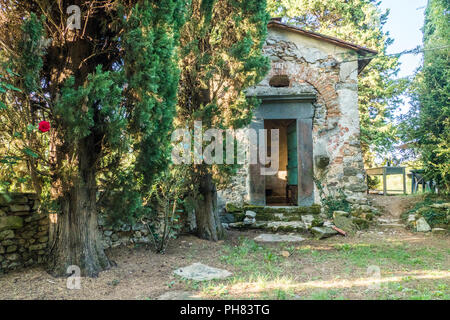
[403, 290]
[252, 258]
[331, 294]
[261, 272]
[364, 255]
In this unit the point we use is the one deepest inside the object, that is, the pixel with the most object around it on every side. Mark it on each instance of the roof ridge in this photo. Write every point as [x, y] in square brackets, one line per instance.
[277, 23]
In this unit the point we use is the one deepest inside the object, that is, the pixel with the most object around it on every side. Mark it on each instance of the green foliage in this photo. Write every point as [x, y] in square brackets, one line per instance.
[152, 80]
[427, 126]
[31, 48]
[434, 216]
[360, 22]
[103, 89]
[332, 201]
[166, 197]
[221, 56]
[116, 100]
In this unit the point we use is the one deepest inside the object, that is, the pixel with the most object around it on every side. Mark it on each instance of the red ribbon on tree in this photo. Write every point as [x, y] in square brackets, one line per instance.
[44, 126]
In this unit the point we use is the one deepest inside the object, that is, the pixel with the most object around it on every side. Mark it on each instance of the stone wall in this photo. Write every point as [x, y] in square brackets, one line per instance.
[125, 234]
[329, 72]
[136, 234]
[23, 232]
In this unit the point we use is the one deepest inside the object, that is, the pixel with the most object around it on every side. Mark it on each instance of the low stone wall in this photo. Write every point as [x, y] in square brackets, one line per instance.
[23, 232]
[125, 234]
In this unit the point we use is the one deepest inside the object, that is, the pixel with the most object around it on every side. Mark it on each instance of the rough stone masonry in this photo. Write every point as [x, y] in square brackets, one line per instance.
[23, 232]
[327, 68]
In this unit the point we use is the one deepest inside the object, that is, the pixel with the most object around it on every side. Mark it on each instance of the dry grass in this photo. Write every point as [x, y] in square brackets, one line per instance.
[413, 266]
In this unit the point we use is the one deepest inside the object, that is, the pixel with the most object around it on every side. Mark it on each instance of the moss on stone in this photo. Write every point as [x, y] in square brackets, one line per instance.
[233, 208]
[314, 209]
[362, 224]
[345, 224]
[317, 222]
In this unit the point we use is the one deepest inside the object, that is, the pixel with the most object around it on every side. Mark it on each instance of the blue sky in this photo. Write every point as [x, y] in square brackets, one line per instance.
[404, 25]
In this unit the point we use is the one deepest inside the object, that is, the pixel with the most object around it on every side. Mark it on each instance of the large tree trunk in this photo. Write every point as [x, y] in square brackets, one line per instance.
[207, 218]
[75, 236]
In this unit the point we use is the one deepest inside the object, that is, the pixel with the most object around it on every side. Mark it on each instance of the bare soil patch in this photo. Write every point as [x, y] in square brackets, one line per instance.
[394, 206]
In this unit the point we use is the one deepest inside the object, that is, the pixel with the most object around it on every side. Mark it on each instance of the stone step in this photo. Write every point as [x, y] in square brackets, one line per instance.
[274, 226]
[392, 225]
[314, 209]
[266, 213]
[269, 237]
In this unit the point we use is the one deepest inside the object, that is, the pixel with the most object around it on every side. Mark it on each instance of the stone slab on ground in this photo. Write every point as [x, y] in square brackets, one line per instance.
[178, 295]
[286, 226]
[323, 232]
[202, 272]
[422, 225]
[267, 237]
[439, 231]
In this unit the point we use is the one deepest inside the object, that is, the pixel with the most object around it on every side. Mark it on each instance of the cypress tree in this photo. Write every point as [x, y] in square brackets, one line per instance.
[108, 91]
[221, 48]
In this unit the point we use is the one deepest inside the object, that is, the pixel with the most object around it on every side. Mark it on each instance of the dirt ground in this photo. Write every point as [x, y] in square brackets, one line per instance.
[394, 206]
[334, 268]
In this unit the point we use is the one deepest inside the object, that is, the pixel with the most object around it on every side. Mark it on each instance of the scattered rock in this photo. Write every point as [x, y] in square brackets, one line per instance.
[328, 224]
[266, 237]
[422, 225]
[441, 205]
[250, 214]
[345, 224]
[323, 232]
[285, 254]
[340, 214]
[201, 272]
[249, 221]
[439, 231]
[308, 220]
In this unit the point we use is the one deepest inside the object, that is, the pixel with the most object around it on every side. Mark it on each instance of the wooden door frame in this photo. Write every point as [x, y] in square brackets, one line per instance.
[301, 109]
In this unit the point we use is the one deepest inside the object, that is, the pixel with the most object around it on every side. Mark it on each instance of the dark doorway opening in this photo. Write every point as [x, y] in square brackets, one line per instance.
[281, 189]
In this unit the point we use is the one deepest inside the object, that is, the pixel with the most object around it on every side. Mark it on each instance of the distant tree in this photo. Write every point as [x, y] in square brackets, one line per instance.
[361, 22]
[108, 92]
[221, 48]
[427, 125]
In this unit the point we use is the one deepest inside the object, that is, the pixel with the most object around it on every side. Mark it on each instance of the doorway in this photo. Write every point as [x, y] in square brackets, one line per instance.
[281, 189]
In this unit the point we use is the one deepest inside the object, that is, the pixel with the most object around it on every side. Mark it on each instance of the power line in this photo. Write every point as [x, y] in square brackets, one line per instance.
[416, 50]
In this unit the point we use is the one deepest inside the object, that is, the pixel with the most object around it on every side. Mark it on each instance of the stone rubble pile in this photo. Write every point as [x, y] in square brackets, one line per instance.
[434, 218]
[300, 219]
